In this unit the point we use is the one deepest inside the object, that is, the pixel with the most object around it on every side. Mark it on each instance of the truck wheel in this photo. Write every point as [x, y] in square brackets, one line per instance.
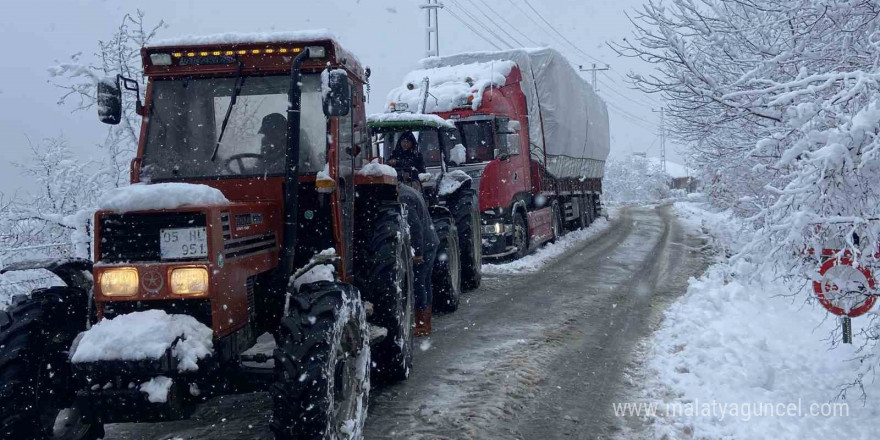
[388, 284]
[35, 390]
[322, 365]
[446, 274]
[520, 235]
[590, 211]
[470, 238]
[555, 222]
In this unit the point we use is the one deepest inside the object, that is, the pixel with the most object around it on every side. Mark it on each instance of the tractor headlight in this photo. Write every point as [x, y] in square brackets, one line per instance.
[496, 228]
[189, 281]
[121, 281]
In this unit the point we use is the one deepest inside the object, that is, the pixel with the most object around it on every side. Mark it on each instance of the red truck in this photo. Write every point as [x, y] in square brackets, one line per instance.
[534, 139]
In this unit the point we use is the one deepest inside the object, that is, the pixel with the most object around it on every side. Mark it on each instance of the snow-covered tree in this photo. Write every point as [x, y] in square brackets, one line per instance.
[634, 179]
[78, 78]
[780, 103]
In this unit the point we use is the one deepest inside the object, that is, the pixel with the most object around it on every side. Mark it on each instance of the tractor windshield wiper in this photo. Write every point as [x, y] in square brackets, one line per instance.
[239, 82]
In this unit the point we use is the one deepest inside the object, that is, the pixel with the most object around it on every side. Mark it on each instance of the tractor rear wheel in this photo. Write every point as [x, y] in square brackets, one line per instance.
[470, 238]
[446, 274]
[388, 285]
[322, 365]
[37, 396]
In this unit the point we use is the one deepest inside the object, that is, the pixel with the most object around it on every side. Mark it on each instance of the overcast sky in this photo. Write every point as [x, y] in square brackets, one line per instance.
[387, 35]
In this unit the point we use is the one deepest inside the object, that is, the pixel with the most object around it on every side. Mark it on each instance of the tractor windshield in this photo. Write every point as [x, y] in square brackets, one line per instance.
[186, 117]
[430, 142]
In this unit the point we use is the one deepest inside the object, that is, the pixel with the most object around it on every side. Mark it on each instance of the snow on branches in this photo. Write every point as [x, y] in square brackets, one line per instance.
[780, 103]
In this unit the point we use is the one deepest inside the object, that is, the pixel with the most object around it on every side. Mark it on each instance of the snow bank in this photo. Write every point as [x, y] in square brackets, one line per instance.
[540, 258]
[410, 117]
[739, 340]
[375, 168]
[141, 197]
[146, 335]
[452, 85]
[249, 37]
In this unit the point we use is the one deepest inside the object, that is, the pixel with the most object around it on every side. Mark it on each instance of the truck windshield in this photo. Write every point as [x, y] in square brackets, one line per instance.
[479, 140]
[186, 115]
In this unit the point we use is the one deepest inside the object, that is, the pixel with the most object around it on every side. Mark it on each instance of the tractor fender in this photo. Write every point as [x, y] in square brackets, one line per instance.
[75, 272]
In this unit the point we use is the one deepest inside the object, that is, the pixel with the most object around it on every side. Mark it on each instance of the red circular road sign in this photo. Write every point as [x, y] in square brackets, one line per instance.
[845, 290]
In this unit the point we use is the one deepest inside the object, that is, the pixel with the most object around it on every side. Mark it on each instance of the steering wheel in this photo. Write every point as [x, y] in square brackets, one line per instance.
[239, 158]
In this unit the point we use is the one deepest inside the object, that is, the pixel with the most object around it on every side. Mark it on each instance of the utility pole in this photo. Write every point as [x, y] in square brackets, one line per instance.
[594, 69]
[432, 30]
[662, 112]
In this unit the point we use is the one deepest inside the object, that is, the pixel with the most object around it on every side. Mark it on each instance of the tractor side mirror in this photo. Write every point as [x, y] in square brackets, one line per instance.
[337, 92]
[109, 101]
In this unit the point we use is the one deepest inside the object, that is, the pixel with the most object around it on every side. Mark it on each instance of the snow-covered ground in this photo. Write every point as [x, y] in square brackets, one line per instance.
[538, 259]
[749, 359]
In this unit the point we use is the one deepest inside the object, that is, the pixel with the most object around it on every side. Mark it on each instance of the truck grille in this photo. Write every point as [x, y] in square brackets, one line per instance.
[135, 237]
[200, 309]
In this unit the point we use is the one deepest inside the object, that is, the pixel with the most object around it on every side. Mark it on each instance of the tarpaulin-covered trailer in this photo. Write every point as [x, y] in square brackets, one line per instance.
[567, 119]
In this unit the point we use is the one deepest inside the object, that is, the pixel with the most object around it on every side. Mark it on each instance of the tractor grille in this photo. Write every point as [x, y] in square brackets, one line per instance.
[135, 237]
[200, 309]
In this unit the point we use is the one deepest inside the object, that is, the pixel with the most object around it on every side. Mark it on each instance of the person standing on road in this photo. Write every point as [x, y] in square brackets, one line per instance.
[425, 243]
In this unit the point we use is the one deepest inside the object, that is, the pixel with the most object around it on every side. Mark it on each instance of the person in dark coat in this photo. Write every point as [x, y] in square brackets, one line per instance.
[406, 157]
[425, 242]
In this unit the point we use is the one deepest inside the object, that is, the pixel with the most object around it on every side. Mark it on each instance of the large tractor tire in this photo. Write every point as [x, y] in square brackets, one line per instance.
[322, 365]
[36, 393]
[470, 238]
[446, 274]
[387, 283]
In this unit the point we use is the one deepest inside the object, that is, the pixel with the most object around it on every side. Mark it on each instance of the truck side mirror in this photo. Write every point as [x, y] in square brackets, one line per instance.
[109, 101]
[337, 92]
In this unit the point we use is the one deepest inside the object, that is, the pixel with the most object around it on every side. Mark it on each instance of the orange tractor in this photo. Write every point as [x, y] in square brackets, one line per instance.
[276, 124]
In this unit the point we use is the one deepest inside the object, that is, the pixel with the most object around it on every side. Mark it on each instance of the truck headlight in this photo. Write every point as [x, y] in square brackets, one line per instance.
[121, 281]
[189, 281]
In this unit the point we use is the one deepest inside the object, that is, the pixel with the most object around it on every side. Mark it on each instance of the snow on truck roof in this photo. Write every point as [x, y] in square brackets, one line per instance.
[451, 86]
[402, 118]
[247, 38]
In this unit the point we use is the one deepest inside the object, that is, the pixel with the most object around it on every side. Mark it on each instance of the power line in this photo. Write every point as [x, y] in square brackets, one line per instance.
[496, 24]
[515, 28]
[647, 96]
[636, 118]
[487, 28]
[553, 28]
[454, 15]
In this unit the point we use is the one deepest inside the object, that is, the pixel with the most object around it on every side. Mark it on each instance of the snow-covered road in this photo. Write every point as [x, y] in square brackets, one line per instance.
[539, 355]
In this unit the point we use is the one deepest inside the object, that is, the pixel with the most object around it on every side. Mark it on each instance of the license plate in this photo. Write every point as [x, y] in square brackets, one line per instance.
[179, 243]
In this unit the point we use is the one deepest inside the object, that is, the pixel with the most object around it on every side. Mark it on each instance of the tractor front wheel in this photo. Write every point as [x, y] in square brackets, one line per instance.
[37, 396]
[322, 365]
[470, 238]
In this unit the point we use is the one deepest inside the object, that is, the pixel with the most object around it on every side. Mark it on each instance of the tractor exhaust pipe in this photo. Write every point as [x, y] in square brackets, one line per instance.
[291, 171]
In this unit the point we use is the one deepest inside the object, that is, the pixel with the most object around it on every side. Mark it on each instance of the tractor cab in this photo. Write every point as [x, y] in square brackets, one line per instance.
[437, 141]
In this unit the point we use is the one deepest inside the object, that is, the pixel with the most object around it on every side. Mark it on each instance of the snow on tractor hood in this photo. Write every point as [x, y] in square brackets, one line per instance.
[451, 86]
[143, 197]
